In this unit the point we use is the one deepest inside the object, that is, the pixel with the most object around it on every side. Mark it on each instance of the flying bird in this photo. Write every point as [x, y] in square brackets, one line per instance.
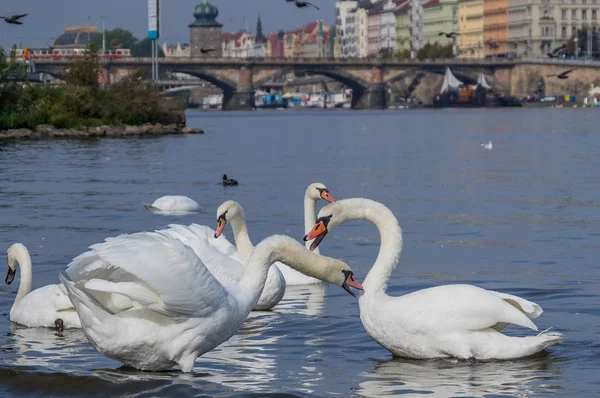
[554, 53]
[207, 50]
[563, 75]
[449, 35]
[14, 19]
[302, 4]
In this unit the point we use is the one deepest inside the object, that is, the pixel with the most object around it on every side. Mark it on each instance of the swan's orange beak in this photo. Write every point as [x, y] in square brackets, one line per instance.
[318, 232]
[326, 196]
[351, 282]
[221, 222]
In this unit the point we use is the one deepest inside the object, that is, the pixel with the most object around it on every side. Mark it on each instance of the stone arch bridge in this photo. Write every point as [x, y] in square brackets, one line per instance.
[368, 79]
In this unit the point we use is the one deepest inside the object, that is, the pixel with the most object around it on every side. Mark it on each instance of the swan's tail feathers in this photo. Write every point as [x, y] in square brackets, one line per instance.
[550, 338]
[529, 308]
[150, 207]
[88, 311]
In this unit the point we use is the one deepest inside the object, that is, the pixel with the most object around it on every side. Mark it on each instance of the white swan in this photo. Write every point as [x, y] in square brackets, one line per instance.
[178, 310]
[43, 306]
[487, 146]
[232, 212]
[174, 203]
[229, 270]
[461, 321]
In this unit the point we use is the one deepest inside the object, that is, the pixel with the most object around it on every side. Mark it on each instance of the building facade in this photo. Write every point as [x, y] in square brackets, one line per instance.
[416, 26]
[403, 28]
[439, 16]
[345, 27]
[374, 29]
[536, 27]
[237, 45]
[205, 31]
[388, 26]
[495, 27]
[176, 50]
[470, 28]
[357, 24]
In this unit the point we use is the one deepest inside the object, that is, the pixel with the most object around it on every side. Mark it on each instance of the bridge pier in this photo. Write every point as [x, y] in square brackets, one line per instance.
[242, 98]
[374, 97]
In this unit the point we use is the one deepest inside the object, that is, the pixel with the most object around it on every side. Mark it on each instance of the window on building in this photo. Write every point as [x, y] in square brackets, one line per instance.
[545, 13]
[584, 14]
[564, 32]
[574, 31]
[564, 15]
[594, 14]
[573, 14]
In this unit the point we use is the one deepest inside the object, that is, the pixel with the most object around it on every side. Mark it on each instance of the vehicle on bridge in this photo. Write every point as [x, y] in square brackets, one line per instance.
[68, 53]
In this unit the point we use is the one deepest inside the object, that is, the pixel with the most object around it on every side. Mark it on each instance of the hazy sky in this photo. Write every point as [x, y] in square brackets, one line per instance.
[48, 18]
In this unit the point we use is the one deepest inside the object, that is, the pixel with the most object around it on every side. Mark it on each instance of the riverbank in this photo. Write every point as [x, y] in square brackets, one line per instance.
[145, 130]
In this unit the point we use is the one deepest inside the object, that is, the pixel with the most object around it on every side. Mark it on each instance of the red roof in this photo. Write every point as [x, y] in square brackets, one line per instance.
[403, 7]
[309, 28]
[431, 3]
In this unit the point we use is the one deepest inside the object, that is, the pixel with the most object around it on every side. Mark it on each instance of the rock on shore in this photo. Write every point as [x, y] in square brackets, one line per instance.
[48, 131]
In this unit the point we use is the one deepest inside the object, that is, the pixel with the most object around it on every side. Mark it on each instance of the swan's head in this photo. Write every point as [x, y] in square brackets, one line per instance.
[337, 213]
[13, 253]
[292, 253]
[316, 191]
[227, 212]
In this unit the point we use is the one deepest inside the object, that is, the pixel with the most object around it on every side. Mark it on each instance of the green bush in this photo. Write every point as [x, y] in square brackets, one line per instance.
[80, 102]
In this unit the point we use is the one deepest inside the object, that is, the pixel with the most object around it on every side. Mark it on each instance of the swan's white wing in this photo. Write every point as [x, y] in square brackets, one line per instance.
[169, 269]
[456, 308]
[529, 308]
[223, 267]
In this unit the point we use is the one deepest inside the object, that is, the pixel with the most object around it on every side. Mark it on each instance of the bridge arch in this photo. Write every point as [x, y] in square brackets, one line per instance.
[359, 86]
[228, 86]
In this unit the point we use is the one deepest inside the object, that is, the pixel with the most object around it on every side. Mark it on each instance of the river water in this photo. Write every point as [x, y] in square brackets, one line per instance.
[522, 218]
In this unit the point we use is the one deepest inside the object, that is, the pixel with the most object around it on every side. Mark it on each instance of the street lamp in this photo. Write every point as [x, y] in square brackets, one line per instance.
[103, 36]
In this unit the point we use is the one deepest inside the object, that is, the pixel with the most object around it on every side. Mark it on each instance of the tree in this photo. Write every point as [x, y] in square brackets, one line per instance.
[403, 54]
[143, 48]
[435, 50]
[85, 70]
[115, 39]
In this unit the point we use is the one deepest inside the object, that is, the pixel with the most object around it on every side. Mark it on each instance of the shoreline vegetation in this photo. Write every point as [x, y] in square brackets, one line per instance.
[82, 106]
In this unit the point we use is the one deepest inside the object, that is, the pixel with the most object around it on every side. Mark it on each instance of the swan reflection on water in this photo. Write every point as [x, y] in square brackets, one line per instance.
[303, 299]
[248, 359]
[43, 347]
[445, 377]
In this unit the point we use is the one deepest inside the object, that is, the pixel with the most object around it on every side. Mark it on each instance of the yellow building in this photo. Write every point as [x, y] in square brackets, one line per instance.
[470, 29]
[289, 44]
[495, 26]
[403, 26]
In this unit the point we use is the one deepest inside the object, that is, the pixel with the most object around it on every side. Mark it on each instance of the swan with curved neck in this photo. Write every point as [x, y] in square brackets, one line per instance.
[179, 310]
[231, 212]
[461, 321]
[41, 307]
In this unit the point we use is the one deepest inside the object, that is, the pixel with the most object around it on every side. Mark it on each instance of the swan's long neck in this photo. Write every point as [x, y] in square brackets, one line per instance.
[309, 217]
[288, 251]
[391, 242]
[241, 237]
[24, 260]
